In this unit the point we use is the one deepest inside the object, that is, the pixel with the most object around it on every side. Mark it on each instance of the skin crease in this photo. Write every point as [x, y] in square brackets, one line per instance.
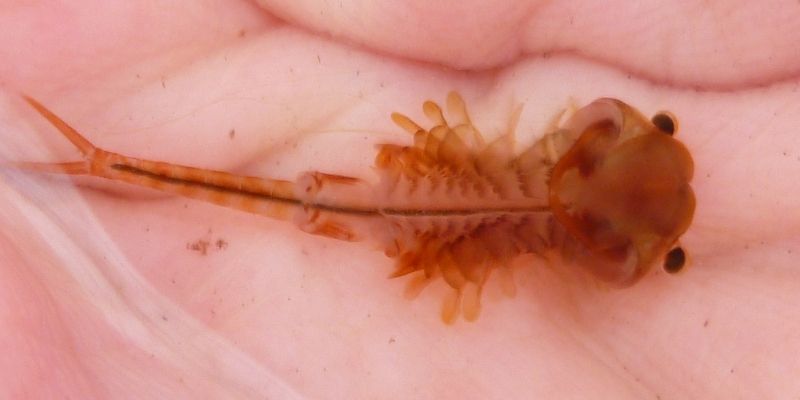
[103, 297]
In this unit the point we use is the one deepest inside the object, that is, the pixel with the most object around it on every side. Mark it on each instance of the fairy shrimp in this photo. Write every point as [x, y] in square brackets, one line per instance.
[608, 190]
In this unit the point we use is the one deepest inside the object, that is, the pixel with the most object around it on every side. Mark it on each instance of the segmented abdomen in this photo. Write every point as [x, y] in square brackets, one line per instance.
[459, 208]
[450, 205]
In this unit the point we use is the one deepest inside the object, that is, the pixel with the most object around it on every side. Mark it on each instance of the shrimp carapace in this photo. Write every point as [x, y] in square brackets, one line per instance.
[609, 191]
[622, 190]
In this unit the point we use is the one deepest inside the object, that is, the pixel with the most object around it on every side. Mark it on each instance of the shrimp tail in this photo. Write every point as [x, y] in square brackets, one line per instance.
[264, 196]
[83, 145]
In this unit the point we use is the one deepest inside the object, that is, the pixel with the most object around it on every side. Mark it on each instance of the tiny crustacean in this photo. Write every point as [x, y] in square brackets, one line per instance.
[608, 190]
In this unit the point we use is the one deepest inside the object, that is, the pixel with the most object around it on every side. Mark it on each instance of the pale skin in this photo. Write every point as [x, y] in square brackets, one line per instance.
[107, 292]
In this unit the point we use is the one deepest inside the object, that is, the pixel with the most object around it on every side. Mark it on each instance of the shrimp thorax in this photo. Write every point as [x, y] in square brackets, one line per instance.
[607, 190]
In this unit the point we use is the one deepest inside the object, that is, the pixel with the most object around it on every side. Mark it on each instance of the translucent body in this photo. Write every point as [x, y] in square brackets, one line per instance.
[607, 191]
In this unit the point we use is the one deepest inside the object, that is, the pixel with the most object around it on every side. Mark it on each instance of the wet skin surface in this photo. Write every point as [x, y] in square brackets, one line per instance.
[127, 294]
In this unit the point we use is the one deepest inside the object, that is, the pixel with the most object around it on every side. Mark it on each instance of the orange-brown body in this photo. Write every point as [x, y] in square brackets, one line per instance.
[608, 191]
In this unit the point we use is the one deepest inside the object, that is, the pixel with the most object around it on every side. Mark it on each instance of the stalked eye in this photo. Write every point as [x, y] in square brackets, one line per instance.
[665, 122]
[675, 260]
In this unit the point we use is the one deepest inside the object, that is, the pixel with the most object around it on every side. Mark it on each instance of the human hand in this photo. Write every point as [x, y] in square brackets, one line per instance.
[119, 293]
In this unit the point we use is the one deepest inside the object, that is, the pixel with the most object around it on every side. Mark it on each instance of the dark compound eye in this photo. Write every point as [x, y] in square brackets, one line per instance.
[665, 122]
[675, 260]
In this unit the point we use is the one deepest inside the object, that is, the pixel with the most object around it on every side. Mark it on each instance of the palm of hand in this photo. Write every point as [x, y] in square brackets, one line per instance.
[311, 312]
